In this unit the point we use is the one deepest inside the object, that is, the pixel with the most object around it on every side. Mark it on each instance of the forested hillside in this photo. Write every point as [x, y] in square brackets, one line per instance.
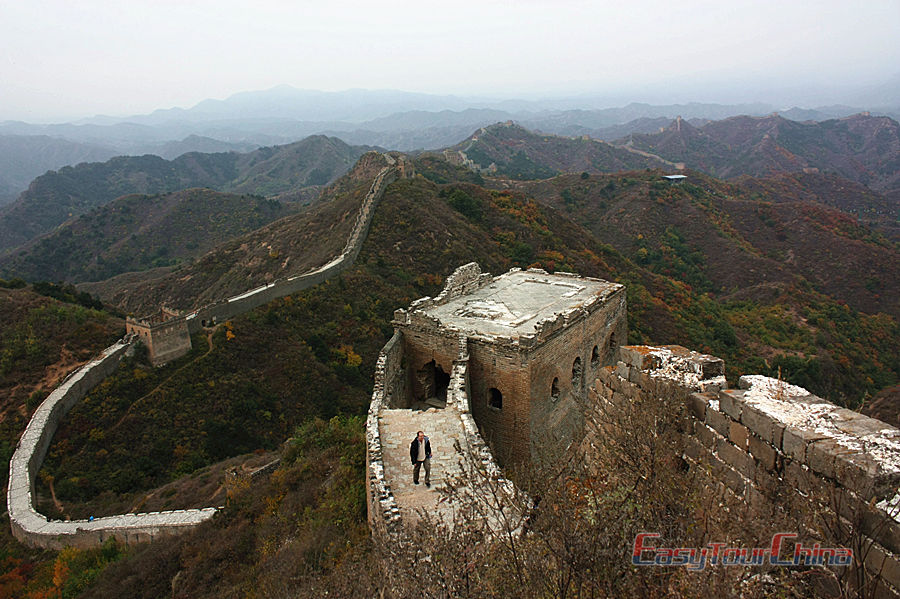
[57, 196]
[861, 148]
[158, 436]
[518, 153]
[140, 232]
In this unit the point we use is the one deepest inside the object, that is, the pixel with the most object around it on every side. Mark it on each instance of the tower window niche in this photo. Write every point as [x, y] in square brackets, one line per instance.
[554, 389]
[495, 398]
[595, 357]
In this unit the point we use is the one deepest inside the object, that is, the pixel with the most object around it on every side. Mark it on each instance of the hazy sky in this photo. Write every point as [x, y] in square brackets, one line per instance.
[65, 58]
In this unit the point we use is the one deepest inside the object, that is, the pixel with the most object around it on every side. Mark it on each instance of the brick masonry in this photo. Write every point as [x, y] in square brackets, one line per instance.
[540, 372]
[769, 440]
[461, 458]
[34, 529]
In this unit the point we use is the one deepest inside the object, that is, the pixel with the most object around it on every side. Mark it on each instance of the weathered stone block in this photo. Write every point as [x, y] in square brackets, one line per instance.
[854, 423]
[873, 522]
[697, 404]
[605, 372]
[718, 420]
[806, 481]
[822, 456]
[795, 441]
[881, 563]
[866, 476]
[694, 449]
[732, 479]
[636, 376]
[706, 435]
[738, 434]
[734, 457]
[763, 452]
[757, 421]
[711, 366]
[730, 402]
[639, 356]
[777, 434]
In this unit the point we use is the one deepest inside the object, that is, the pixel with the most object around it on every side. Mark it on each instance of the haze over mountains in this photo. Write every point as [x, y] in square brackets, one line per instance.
[386, 118]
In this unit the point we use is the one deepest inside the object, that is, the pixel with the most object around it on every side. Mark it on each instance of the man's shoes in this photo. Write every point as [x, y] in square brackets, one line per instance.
[428, 485]
[415, 482]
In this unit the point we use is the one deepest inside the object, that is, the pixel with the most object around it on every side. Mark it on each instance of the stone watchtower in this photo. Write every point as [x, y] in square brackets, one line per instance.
[165, 333]
[534, 341]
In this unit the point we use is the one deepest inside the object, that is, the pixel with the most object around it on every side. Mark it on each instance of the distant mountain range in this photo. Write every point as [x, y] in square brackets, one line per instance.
[385, 118]
[861, 148]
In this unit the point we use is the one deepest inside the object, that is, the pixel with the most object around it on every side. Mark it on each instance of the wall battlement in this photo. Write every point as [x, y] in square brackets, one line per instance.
[165, 333]
[755, 445]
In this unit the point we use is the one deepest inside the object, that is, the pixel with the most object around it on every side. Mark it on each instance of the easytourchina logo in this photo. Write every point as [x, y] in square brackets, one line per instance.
[646, 552]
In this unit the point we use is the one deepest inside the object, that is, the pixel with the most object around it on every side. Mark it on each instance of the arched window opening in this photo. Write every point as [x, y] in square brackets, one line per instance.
[595, 357]
[612, 342]
[495, 398]
[554, 389]
[577, 371]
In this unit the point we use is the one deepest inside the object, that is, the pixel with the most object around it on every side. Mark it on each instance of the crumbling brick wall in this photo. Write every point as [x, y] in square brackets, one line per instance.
[777, 449]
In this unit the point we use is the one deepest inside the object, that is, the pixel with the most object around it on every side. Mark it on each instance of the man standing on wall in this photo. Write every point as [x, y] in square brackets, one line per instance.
[420, 453]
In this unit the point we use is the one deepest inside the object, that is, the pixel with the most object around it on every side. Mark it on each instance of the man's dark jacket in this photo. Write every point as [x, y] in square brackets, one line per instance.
[414, 449]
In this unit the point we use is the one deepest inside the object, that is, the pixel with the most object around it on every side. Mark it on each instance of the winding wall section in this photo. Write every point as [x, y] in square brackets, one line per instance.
[35, 529]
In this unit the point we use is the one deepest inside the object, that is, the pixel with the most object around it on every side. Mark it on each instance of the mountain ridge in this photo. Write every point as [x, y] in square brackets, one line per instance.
[861, 148]
[53, 198]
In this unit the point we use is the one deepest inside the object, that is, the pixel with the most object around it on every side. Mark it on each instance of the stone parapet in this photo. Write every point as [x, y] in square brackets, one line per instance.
[384, 514]
[35, 529]
[224, 309]
[768, 440]
[467, 472]
[468, 279]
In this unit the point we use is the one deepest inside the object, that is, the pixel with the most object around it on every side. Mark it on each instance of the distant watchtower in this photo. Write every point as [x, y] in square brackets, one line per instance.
[534, 341]
[165, 333]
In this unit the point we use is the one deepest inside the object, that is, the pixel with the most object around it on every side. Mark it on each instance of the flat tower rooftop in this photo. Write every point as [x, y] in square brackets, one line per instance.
[514, 304]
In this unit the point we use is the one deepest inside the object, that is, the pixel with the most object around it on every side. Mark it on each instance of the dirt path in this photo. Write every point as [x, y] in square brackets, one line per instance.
[56, 502]
[209, 343]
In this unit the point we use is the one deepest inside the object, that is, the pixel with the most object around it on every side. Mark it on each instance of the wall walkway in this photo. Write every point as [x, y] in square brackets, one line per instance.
[461, 460]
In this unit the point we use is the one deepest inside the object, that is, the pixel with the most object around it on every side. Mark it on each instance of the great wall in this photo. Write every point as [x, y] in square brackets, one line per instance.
[167, 335]
[547, 345]
[493, 365]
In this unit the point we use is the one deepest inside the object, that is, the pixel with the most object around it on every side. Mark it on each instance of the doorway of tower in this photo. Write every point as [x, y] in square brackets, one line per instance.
[433, 383]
